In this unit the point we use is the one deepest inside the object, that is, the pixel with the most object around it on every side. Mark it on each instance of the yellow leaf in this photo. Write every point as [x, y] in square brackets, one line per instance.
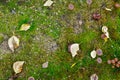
[107, 9]
[105, 39]
[73, 65]
[17, 66]
[25, 27]
[13, 43]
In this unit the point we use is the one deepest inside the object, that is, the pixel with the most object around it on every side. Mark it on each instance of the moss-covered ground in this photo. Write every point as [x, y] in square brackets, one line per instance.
[52, 30]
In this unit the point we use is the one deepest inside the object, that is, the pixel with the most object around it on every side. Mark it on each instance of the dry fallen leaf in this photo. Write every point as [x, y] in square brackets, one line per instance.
[17, 66]
[13, 43]
[104, 29]
[107, 34]
[107, 9]
[48, 3]
[74, 48]
[45, 65]
[93, 77]
[93, 54]
[25, 27]
[73, 65]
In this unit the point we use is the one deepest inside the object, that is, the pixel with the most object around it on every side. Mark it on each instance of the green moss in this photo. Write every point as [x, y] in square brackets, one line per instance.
[59, 23]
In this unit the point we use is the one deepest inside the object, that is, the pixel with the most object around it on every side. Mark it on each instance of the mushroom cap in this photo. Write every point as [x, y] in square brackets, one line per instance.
[118, 62]
[99, 60]
[117, 5]
[116, 59]
[96, 16]
[109, 62]
[70, 6]
[99, 52]
[103, 36]
[31, 78]
[117, 65]
[93, 77]
[113, 61]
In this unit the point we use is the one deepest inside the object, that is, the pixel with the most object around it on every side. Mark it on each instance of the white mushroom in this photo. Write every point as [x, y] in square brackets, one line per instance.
[93, 77]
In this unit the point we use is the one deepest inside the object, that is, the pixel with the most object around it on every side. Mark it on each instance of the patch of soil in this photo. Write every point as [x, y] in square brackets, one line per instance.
[4, 47]
[74, 21]
[45, 42]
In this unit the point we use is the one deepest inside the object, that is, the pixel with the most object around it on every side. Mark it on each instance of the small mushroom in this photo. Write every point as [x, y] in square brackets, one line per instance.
[96, 16]
[113, 61]
[99, 60]
[89, 2]
[70, 6]
[99, 52]
[117, 5]
[104, 37]
[31, 78]
[109, 62]
[118, 62]
[93, 77]
[116, 59]
[117, 65]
